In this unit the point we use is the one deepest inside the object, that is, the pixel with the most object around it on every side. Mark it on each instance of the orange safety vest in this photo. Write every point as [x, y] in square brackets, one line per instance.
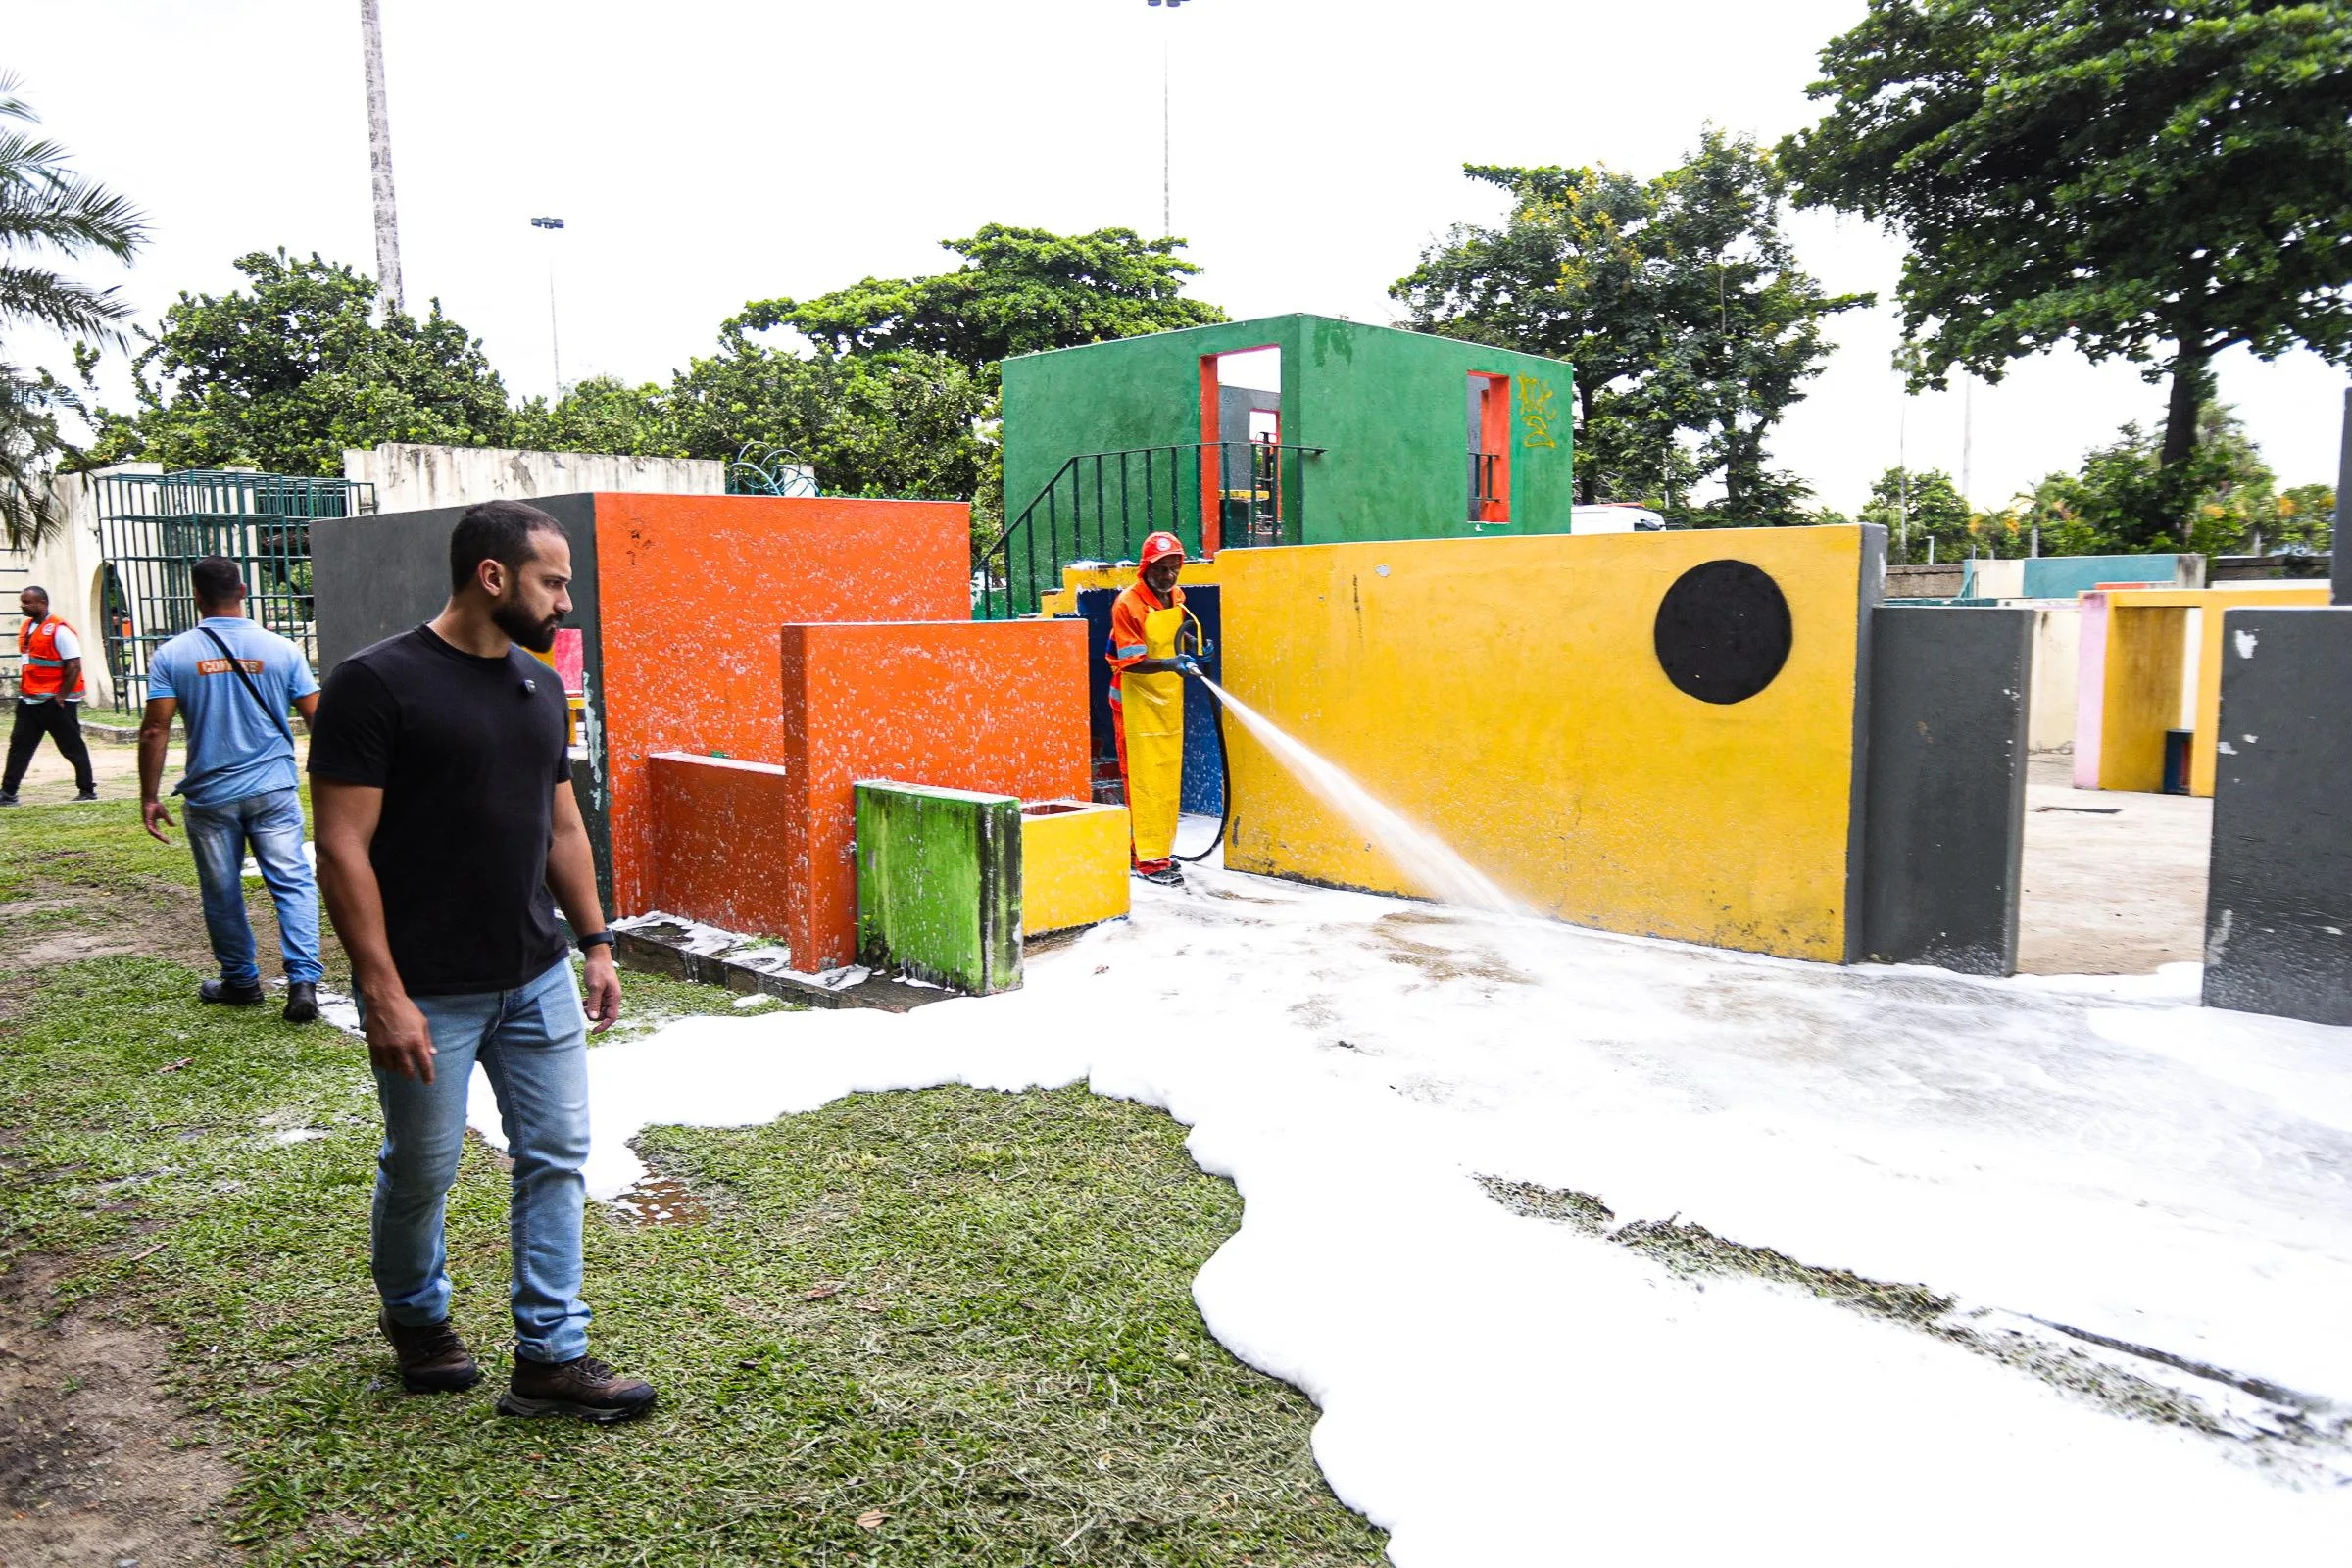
[43, 674]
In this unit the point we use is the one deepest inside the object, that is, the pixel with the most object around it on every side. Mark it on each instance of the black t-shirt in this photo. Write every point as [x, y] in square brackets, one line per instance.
[468, 751]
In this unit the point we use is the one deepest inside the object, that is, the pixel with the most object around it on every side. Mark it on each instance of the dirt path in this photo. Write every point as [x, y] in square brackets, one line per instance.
[97, 1463]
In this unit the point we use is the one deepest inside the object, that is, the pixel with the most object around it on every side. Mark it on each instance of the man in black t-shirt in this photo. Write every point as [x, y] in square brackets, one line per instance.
[442, 787]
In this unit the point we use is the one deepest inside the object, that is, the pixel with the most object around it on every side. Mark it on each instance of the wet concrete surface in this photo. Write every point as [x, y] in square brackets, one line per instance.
[2114, 882]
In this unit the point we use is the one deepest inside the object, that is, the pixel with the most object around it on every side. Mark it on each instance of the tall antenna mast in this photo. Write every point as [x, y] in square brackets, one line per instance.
[1168, 224]
[379, 160]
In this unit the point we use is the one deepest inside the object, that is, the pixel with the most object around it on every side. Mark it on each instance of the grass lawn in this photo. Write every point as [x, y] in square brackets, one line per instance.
[945, 1327]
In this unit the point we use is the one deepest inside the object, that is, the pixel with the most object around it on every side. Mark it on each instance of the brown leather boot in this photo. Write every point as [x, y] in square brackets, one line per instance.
[433, 1360]
[585, 1389]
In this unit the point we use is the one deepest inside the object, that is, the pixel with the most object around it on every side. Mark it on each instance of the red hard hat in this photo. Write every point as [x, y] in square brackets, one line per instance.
[1161, 544]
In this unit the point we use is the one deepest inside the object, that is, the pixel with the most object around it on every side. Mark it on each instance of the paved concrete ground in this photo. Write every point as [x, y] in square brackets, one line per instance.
[2110, 894]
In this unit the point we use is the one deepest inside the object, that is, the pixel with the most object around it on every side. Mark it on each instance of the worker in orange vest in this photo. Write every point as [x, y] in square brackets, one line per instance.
[1154, 643]
[48, 697]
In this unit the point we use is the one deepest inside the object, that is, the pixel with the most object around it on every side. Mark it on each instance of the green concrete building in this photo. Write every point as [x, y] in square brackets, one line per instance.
[1288, 429]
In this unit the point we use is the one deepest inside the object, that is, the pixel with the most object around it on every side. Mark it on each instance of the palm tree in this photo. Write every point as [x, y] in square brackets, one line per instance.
[46, 211]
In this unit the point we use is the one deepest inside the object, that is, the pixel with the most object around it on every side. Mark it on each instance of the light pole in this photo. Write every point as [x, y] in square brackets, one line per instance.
[554, 349]
[1167, 226]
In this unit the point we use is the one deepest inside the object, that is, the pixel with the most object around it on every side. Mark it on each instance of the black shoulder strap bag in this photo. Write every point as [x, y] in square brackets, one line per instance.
[237, 668]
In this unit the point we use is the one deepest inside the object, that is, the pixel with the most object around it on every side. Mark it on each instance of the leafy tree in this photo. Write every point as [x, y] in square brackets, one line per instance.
[2106, 507]
[1018, 291]
[2154, 179]
[600, 414]
[2300, 520]
[47, 210]
[905, 423]
[902, 423]
[286, 374]
[1916, 505]
[1679, 302]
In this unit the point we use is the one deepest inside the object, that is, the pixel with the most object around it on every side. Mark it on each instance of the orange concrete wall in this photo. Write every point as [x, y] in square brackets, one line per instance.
[996, 706]
[692, 591]
[717, 841]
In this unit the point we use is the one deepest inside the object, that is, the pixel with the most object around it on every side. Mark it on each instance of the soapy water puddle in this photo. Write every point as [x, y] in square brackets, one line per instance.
[1429, 862]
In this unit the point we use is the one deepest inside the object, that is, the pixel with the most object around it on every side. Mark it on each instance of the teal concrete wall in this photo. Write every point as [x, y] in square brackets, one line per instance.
[1389, 406]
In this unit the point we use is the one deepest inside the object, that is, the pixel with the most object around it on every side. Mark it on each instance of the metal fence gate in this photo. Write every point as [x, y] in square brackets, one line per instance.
[153, 527]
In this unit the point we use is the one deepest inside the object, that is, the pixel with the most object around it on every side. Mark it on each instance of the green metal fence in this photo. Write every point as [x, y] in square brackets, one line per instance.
[155, 526]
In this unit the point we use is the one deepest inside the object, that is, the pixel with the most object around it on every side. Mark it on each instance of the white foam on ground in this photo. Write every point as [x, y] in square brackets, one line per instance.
[1500, 1390]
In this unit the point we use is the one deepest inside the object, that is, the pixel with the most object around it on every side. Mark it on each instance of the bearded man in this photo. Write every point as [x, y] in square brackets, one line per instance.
[442, 782]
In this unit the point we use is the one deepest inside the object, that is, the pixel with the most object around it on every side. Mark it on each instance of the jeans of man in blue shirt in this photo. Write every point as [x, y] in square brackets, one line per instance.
[272, 824]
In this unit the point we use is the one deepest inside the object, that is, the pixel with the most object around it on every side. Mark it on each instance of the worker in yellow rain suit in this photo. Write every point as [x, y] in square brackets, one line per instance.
[1153, 641]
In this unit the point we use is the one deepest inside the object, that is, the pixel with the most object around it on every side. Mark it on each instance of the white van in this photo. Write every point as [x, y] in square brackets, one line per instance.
[1613, 516]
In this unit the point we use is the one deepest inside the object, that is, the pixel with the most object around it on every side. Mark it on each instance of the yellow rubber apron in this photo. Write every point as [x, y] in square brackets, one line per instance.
[1152, 709]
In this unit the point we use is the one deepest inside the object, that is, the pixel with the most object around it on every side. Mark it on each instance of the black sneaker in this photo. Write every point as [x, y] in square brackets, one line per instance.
[584, 1389]
[10, 798]
[87, 795]
[433, 1360]
[302, 1002]
[248, 995]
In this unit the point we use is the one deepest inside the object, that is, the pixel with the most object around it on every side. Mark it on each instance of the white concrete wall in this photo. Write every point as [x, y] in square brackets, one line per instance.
[1988, 578]
[2057, 653]
[69, 566]
[410, 476]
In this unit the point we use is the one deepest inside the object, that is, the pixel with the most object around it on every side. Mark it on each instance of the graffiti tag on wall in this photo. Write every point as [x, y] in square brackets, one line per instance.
[1539, 411]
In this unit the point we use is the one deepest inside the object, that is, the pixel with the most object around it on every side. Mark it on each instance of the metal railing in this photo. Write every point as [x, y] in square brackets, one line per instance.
[1486, 495]
[153, 527]
[1100, 505]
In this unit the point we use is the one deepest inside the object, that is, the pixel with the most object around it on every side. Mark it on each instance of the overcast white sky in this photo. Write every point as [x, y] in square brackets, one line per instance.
[706, 151]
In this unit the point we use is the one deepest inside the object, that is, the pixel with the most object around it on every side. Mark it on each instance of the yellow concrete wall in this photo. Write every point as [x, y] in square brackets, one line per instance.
[1073, 866]
[1063, 600]
[2146, 657]
[2146, 667]
[1506, 693]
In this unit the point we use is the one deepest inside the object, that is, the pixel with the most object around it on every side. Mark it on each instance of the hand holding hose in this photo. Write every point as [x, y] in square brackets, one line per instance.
[1189, 665]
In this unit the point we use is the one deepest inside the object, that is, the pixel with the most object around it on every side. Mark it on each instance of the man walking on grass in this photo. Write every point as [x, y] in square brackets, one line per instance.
[49, 691]
[446, 819]
[231, 684]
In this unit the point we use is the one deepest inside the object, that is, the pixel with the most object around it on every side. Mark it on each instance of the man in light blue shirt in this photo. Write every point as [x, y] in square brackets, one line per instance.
[231, 682]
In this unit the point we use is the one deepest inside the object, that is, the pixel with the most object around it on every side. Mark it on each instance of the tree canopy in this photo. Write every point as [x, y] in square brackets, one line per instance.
[47, 213]
[2154, 179]
[1018, 291]
[287, 372]
[1678, 300]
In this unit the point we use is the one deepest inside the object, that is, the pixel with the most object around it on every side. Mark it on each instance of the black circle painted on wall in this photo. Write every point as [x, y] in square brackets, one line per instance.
[1723, 631]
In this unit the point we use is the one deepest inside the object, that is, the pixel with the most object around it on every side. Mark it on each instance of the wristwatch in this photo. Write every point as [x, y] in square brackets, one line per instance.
[596, 939]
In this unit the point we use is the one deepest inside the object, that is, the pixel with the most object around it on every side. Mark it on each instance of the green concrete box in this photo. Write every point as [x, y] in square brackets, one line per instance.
[939, 884]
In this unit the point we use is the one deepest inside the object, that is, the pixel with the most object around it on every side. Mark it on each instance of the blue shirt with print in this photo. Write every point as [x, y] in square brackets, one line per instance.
[235, 748]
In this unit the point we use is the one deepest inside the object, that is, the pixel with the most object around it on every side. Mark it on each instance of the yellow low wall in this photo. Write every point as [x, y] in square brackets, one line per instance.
[1063, 600]
[1507, 694]
[1073, 865]
[2146, 650]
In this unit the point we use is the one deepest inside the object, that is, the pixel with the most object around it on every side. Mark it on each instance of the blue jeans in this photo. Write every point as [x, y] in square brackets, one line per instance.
[272, 824]
[532, 1043]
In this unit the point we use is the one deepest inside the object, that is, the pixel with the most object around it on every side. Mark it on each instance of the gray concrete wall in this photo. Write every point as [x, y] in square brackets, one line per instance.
[2279, 909]
[1944, 814]
[1940, 581]
[375, 577]
[415, 477]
